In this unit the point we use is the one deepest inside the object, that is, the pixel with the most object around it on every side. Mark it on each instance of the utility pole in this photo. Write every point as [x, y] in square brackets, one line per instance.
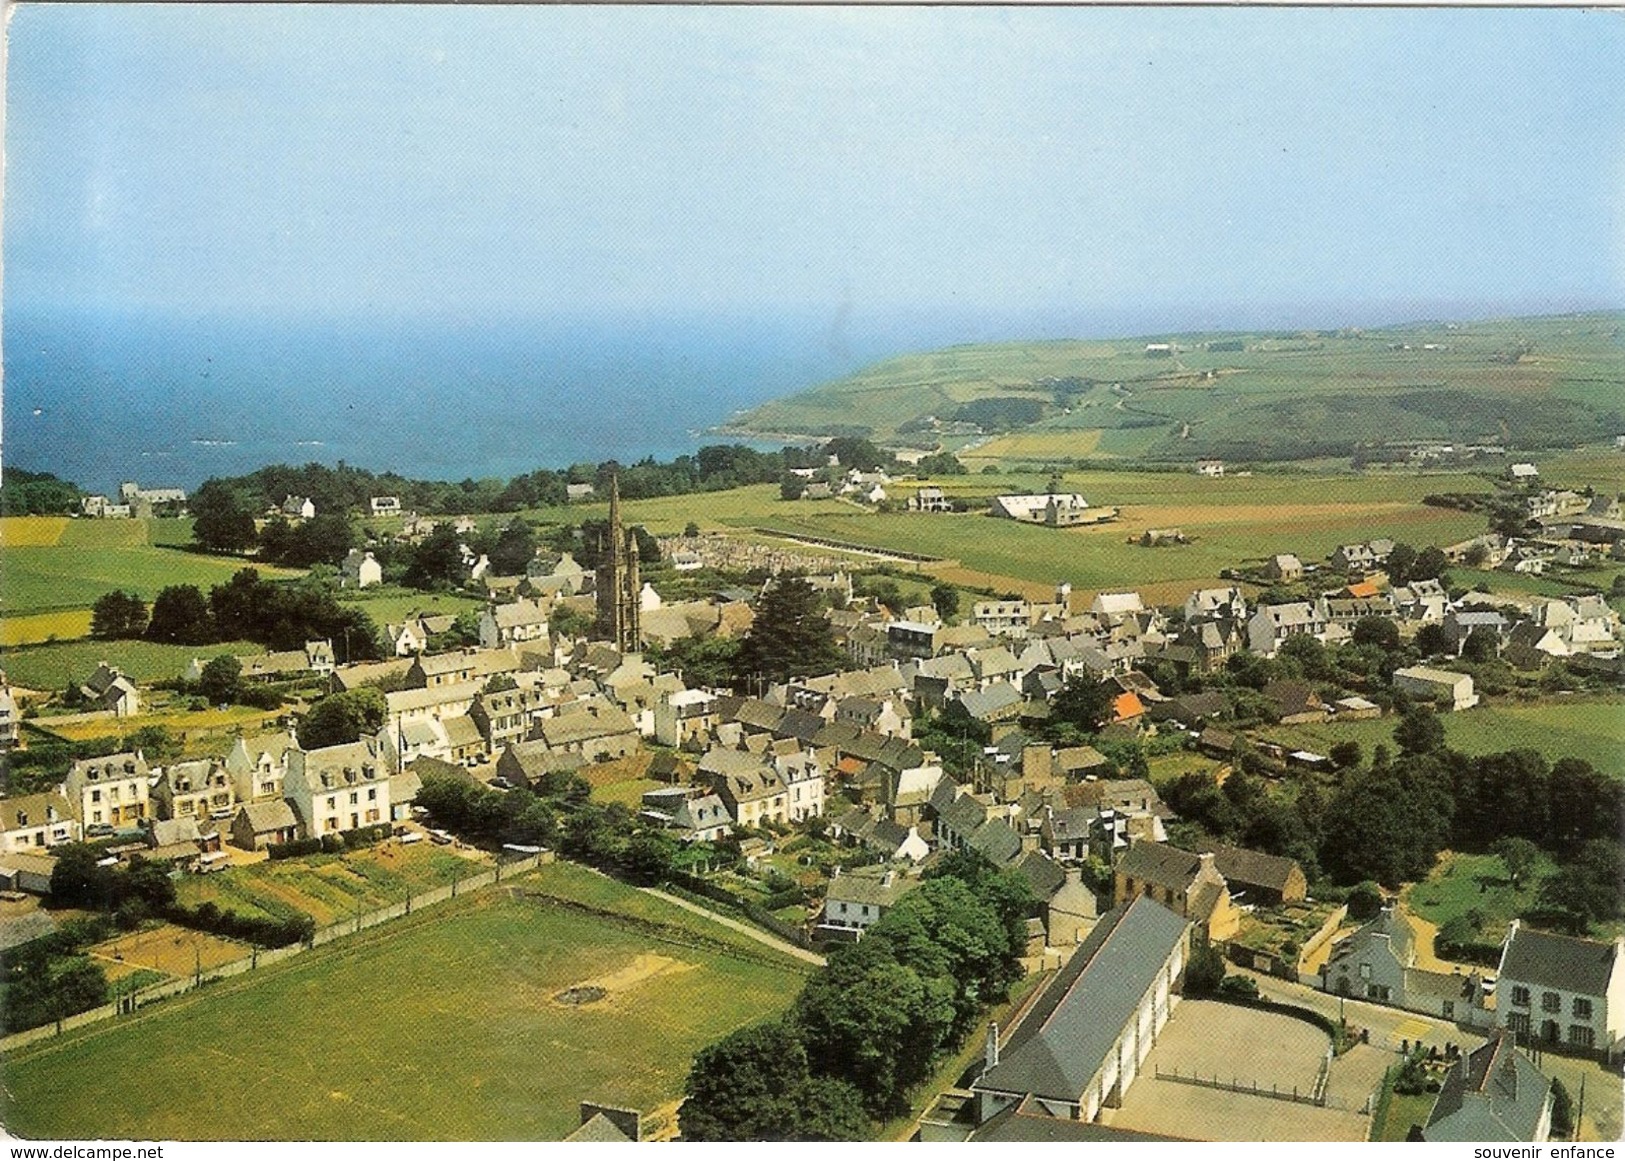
[1580, 1112]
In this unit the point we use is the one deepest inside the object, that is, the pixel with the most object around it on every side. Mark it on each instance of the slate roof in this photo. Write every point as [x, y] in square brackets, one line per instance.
[1043, 873]
[878, 886]
[1558, 961]
[1026, 1121]
[1062, 1042]
[982, 704]
[1253, 868]
[1511, 1096]
[996, 841]
[268, 816]
[1161, 864]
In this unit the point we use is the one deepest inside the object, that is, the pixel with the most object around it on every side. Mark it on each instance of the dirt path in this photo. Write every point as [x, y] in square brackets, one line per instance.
[755, 933]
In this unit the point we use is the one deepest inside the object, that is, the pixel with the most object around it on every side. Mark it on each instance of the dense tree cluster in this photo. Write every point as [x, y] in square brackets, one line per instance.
[870, 1025]
[118, 614]
[37, 494]
[323, 539]
[344, 717]
[279, 615]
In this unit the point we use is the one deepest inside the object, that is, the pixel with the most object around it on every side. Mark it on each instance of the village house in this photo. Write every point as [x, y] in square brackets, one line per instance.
[1082, 1044]
[596, 729]
[1559, 989]
[298, 508]
[685, 718]
[197, 790]
[257, 765]
[513, 623]
[803, 778]
[695, 815]
[1003, 618]
[749, 787]
[1257, 878]
[258, 825]
[1186, 883]
[1284, 566]
[856, 900]
[338, 788]
[385, 505]
[360, 570]
[1271, 625]
[1210, 467]
[108, 792]
[930, 500]
[461, 665]
[35, 822]
[1493, 1093]
[109, 689]
[1379, 963]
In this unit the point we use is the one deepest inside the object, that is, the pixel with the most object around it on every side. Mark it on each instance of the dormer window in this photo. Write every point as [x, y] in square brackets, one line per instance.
[22, 818]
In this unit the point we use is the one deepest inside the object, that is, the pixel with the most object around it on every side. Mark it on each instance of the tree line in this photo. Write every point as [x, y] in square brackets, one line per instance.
[278, 615]
[868, 1028]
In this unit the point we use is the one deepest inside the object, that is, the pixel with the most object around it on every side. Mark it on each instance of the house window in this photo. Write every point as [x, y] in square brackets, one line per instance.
[1519, 1023]
[1581, 1036]
[1551, 1002]
[1365, 971]
[1520, 996]
[96, 796]
[1582, 1008]
[1450, 1009]
[372, 795]
[95, 816]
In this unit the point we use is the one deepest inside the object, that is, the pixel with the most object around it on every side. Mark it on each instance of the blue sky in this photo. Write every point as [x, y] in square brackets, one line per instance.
[659, 161]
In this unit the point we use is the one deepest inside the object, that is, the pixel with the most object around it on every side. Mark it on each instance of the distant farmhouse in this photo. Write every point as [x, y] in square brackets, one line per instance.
[1055, 509]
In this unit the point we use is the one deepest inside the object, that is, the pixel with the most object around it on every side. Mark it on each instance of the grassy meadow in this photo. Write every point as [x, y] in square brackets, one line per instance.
[53, 565]
[443, 1026]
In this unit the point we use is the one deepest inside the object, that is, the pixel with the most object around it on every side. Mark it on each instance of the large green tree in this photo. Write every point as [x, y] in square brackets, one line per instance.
[118, 614]
[222, 520]
[756, 1085]
[343, 717]
[180, 616]
[790, 637]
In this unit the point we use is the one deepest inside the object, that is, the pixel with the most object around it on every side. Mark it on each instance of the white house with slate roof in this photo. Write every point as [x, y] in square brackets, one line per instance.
[856, 900]
[1559, 989]
[1080, 1046]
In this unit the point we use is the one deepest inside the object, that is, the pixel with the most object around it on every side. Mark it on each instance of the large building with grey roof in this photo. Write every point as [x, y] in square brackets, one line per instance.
[1081, 1044]
[1560, 989]
[1494, 1093]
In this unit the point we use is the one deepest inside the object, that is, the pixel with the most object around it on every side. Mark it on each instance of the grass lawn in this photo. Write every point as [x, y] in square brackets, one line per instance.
[1462, 883]
[33, 628]
[392, 605]
[443, 1026]
[1400, 1113]
[328, 887]
[1592, 728]
[50, 666]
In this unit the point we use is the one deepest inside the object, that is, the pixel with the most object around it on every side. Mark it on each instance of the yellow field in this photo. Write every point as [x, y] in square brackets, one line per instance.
[33, 628]
[179, 722]
[1037, 445]
[31, 531]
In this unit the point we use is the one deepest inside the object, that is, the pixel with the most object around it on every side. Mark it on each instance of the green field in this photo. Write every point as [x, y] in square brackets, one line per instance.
[393, 604]
[440, 1027]
[50, 666]
[1278, 397]
[1230, 520]
[1592, 728]
[94, 557]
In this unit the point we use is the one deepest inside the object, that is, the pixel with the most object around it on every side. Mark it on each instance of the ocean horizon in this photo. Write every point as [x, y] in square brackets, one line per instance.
[168, 401]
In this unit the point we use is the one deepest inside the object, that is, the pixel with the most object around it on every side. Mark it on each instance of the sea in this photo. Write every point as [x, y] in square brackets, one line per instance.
[169, 400]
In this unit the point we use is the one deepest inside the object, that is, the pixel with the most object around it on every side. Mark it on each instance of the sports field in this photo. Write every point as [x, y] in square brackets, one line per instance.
[1592, 728]
[52, 564]
[445, 1026]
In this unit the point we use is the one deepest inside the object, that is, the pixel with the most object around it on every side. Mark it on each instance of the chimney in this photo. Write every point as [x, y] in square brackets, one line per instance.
[1074, 876]
[1206, 859]
[991, 1054]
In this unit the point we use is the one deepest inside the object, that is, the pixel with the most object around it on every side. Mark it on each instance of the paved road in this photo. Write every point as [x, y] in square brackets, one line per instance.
[755, 933]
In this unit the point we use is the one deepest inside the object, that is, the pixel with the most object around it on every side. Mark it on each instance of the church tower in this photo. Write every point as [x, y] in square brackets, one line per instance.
[618, 583]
